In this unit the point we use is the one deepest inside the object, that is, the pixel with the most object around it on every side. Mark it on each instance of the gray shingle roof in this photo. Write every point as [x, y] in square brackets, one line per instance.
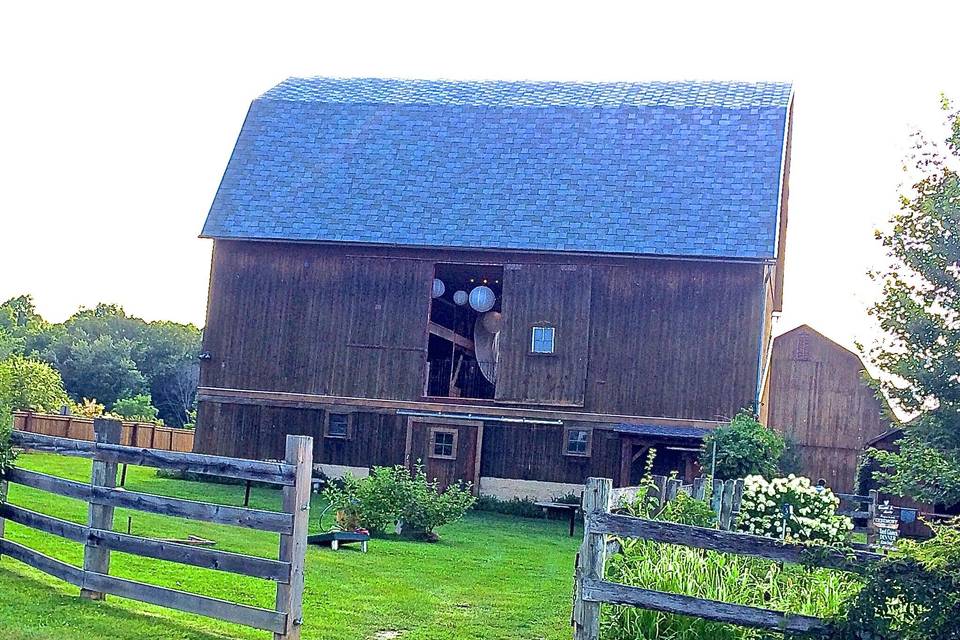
[688, 169]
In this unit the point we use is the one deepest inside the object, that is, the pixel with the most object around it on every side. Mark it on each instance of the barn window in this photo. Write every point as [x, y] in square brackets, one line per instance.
[443, 443]
[577, 441]
[337, 425]
[803, 347]
[542, 340]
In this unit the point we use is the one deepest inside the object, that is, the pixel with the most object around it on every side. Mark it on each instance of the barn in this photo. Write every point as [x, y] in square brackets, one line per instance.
[819, 398]
[518, 284]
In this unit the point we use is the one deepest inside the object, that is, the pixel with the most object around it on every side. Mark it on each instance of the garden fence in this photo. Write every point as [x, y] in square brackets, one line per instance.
[134, 434]
[726, 496]
[591, 589]
[99, 538]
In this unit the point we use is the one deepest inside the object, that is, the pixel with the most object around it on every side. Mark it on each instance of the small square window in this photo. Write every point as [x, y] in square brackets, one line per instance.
[338, 425]
[443, 443]
[576, 441]
[542, 340]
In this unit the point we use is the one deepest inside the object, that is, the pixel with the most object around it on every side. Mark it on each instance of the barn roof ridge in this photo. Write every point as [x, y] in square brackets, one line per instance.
[689, 169]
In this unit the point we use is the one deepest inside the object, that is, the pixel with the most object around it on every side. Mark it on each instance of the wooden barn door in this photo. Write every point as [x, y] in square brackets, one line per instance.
[553, 296]
[449, 449]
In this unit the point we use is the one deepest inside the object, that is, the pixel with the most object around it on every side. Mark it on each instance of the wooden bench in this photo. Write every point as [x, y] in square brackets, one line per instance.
[572, 509]
[334, 539]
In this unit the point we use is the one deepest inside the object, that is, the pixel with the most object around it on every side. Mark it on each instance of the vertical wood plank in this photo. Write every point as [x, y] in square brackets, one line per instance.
[726, 505]
[699, 488]
[3, 498]
[591, 560]
[673, 487]
[293, 547]
[103, 474]
[716, 497]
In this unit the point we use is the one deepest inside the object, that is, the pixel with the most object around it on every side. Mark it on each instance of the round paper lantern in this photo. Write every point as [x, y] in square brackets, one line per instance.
[438, 288]
[492, 321]
[482, 298]
[460, 297]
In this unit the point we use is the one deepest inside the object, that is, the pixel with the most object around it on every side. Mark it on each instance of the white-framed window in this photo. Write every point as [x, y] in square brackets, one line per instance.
[577, 441]
[542, 339]
[443, 443]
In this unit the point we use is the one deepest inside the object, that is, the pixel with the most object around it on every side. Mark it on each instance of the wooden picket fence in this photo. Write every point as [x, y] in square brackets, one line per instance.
[99, 538]
[133, 434]
[591, 589]
[726, 495]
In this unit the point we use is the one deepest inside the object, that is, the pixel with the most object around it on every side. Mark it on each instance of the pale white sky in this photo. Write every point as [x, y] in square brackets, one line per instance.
[117, 119]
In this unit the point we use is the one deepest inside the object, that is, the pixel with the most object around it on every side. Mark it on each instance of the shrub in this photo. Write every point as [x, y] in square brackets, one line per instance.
[744, 447]
[32, 385]
[393, 498]
[813, 517]
[88, 408]
[139, 408]
[912, 595]
[521, 507]
[7, 453]
[685, 509]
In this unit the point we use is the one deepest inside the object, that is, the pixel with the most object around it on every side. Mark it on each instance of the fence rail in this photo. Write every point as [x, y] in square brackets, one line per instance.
[99, 539]
[136, 434]
[590, 589]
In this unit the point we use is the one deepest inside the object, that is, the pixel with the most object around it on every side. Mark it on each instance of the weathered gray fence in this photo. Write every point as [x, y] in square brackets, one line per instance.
[99, 539]
[725, 498]
[591, 589]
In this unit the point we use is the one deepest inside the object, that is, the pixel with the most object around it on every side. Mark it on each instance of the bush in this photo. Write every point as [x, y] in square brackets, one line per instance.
[813, 518]
[7, 453]
[138, 408]
[914, 594]
[521, 507]
[391, 498]
[32, 385]
[685, 509]
[744, 447]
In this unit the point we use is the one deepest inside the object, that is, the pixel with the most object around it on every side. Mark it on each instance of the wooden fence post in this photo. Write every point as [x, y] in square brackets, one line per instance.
[726, 505]
[874, 496]
[716, 497]
[103, 474]
[591, 560]
[3, 498]
[699, 488]
[293, 547]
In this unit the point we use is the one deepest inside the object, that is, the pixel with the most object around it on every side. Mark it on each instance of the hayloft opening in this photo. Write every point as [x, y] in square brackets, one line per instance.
[464, 330]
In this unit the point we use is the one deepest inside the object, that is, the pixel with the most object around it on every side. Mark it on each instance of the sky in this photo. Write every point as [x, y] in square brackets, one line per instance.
[117, 119]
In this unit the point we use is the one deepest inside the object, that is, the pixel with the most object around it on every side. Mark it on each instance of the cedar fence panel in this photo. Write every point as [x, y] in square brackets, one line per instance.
[99, 539]
[133, 434]
[591, 589]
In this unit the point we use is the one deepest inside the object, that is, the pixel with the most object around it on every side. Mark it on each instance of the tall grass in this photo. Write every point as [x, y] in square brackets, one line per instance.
[716, 576]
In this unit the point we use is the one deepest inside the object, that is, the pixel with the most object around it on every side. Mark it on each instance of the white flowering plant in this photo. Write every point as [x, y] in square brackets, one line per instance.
[812, 513]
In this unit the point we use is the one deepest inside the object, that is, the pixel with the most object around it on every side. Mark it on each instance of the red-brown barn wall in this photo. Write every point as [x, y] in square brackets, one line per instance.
[819, 398]
[671, 338]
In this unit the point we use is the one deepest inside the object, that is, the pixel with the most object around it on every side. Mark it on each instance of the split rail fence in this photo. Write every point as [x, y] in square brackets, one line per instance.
[591, 589]
[99, 538]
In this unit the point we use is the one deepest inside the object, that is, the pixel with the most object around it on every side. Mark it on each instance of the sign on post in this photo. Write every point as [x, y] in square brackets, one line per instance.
[887, 522]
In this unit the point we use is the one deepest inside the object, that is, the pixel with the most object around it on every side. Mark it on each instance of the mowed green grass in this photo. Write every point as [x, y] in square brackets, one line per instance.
[490, 576]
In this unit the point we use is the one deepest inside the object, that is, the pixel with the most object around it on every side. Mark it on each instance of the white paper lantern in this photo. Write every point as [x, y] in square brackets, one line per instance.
[482, 299]
[438, 288]
[460, 297]
[492, 321]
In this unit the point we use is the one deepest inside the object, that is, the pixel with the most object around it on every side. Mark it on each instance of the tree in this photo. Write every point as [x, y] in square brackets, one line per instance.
[919, 313]
[744, 447]
[139, 408]
[31, 385]
[24, 327]
[103, 369]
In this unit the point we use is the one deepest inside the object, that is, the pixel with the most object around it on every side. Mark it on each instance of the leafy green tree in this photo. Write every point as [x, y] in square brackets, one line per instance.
[31, 385]
[919, 312]
[744, 447]
[24, 328]
[103, 369]
[139, 408]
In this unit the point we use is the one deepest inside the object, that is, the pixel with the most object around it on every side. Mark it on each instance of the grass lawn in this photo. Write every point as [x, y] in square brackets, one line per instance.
[490, 576]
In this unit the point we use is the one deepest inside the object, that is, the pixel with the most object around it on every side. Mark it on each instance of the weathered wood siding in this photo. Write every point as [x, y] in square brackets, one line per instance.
[535, 452]
[254, 431]
[545, 295]
[819, 398]
[645, 337]
[674, 338]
